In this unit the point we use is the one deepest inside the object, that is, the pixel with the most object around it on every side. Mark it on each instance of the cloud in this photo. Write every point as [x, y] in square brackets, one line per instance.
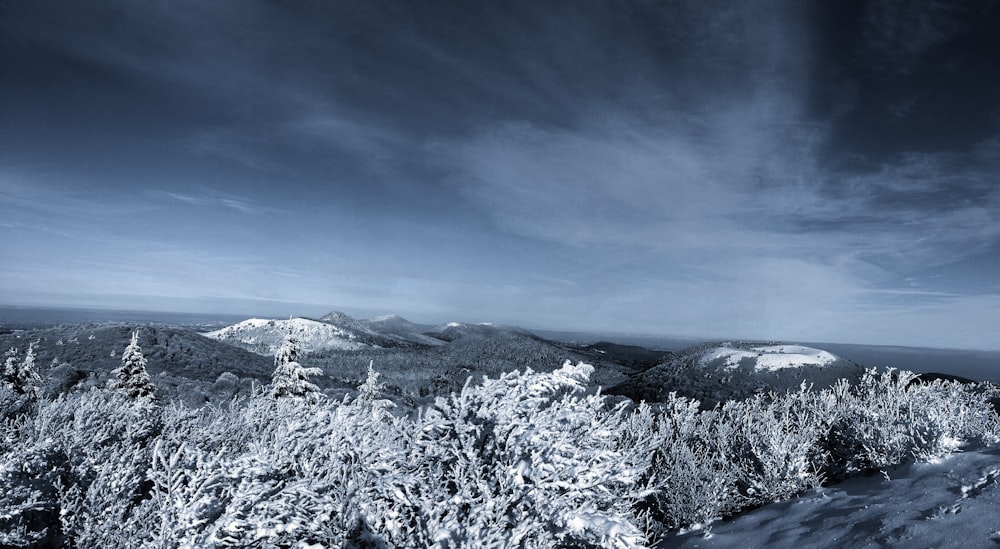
[896, 34]
[216, 199]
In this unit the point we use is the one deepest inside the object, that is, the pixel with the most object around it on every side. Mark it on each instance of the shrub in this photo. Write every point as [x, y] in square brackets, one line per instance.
[526, 459]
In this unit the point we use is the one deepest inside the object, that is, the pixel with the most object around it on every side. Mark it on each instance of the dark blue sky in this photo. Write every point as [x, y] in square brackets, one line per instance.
[786, 170]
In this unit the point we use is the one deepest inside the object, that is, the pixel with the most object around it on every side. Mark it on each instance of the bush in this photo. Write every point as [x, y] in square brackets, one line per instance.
[528, 459]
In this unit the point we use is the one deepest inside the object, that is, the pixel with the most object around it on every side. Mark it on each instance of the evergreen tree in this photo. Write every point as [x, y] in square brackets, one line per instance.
[290, 378]
[10, 367]
[22, 377]
[132, 376]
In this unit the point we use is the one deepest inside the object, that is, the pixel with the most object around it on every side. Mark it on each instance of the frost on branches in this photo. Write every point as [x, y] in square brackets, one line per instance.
[132, 377]
[290, 378]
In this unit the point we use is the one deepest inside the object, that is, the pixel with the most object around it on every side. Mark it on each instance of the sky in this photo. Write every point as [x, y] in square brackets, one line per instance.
[818, 171]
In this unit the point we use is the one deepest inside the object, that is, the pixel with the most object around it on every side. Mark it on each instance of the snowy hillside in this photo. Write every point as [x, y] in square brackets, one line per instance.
[766, 357]
[264, 336]
[716, 372]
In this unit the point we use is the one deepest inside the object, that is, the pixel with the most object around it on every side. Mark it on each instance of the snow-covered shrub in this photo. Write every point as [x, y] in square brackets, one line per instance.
[770, 447]
[227, 384]
[697, 472]
[527, 459]
[273, 473]
[290, 378]
[947, 414]
[776, 443]
[132, 377]
[891, 417]
[524, 460]
[77, 470]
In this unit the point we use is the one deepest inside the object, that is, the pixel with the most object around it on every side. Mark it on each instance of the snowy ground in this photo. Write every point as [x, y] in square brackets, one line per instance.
[953, 503]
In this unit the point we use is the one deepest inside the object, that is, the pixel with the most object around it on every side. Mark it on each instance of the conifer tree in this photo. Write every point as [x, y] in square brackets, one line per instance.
[290, 378]
[371, 390]
[22, 377]
[10, 367]
[132, 376]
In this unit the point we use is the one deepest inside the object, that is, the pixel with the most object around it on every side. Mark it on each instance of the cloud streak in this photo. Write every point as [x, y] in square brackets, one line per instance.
[214, 199]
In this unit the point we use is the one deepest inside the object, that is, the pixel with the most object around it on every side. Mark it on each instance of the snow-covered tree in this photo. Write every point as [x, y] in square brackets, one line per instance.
[132, 376]
[10, 366]
[22, 377]
[291, 378]
[371, 389]
[370, 395]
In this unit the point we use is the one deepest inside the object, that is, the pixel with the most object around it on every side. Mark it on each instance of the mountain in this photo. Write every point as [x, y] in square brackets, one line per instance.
[398, 327]
[759, 358]
[631, 356]
[334, 331]
[264, 336]
[456, 330]
[716, 372]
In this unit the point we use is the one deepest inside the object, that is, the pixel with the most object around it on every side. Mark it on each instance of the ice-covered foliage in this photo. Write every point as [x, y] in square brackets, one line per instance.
[132, 377]
[892, 417]
[291, 379]
[527, 459]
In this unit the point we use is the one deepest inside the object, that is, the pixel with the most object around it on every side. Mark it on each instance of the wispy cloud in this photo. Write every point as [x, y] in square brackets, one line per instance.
[215, 199]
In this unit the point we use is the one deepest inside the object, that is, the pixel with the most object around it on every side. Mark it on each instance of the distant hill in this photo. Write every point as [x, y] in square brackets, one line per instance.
[457, 330]
[395, 326]
[715, 372]
[334, 331]
[264, 337]
[463, 351]
[417, 362]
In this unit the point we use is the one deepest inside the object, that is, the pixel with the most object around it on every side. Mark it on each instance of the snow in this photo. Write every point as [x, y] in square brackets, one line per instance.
[264, 336]
[951, 503]
[769, 357]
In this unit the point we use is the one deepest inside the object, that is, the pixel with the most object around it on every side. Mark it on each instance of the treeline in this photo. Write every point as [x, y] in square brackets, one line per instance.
[526, 459]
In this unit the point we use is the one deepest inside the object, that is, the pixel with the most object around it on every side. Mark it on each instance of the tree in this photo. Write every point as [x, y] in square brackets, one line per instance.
[371, 390]
[22, 377]
[290, 378]
[132, 376]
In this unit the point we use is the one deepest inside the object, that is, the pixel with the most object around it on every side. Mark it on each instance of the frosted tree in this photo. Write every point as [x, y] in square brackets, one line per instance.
[10, 367]
[291, 378]
[22, 377]
[371, 390]
[132, 377]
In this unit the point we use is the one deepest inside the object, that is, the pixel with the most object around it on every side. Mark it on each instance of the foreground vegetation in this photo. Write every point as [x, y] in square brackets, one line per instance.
[527, 459]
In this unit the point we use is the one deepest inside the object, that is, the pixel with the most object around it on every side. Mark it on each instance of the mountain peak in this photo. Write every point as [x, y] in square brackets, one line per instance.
[337, 316]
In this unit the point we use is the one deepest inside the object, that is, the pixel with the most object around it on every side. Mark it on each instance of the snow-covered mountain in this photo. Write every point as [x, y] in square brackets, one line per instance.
[716, 372]
[334, 331]
[264, 336]
[765, 357]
